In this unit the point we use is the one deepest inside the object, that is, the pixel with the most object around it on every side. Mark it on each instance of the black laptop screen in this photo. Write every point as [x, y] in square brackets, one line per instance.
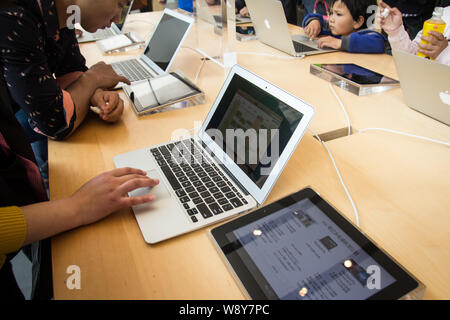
[253, 127]
[165, 40]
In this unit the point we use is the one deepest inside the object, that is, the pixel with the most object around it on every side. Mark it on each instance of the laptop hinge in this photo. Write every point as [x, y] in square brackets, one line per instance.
[226, 170]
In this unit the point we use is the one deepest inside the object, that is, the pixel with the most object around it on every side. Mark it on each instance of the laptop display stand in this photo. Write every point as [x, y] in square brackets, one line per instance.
[216, 40]
[355, 88]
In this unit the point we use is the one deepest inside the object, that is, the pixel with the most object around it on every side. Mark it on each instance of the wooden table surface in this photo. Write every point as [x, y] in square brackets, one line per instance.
[400, 185]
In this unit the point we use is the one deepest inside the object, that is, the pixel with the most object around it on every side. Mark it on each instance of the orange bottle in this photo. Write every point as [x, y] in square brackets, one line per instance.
[434, 24]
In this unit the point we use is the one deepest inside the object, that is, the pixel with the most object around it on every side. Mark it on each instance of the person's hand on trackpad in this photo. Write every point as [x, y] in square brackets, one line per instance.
[159, 191]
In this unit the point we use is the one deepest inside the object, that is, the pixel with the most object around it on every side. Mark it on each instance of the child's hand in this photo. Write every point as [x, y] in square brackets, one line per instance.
[329, 42]
[436, 44]
[313, 29]
[393, 21]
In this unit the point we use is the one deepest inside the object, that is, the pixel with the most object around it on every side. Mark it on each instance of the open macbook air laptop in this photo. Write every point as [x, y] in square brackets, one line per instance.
[425, 85]
[204, 12]
[246, 140]
[114, 30]
[272, 29]
[160, 50]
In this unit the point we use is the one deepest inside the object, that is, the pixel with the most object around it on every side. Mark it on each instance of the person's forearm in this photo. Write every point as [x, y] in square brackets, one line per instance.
[399, 40]
[81, 92]
[50, 218]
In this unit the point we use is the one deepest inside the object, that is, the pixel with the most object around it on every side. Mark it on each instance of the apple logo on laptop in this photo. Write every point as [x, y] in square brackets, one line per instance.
[445, 97]
[267, 23]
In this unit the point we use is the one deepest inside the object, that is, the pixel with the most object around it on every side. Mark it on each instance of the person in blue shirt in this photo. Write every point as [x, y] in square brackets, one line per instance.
[414, 12]
[346, 28]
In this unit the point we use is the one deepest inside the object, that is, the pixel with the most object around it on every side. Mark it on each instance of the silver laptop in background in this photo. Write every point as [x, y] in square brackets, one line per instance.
[209, 178]
[203, 11]
[160, 51]
[114, 30]
[425, 85]
[272, 28]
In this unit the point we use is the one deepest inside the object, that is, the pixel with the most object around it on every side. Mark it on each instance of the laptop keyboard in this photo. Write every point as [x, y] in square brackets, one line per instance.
[300, 47]
[132, 70]
[201, 188]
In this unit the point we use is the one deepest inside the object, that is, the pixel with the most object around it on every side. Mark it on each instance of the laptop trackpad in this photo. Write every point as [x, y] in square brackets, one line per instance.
[160, 191]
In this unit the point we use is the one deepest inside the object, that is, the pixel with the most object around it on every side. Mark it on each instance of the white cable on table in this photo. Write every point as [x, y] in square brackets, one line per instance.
[340, 177]
[269, 55]
[343, 108]
[199, 70]
[406, 134]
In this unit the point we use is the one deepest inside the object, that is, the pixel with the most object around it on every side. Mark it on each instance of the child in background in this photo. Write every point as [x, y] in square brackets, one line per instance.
[345, 28]
[414, 13]
[437, 48]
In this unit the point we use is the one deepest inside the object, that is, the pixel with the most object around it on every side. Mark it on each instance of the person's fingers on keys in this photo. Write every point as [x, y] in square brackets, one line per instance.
[124, 80]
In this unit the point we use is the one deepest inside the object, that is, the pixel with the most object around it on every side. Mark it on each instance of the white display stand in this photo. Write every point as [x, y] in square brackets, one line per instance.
[215, 32]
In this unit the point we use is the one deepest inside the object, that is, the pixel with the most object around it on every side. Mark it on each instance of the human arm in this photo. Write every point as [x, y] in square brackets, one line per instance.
[55, 104]
[366, 41]
[397, 35]
[110, 105]
[330, 42]
[94, 201]
[437, 43]
[69, 71]
[314, 25]
[91, 90]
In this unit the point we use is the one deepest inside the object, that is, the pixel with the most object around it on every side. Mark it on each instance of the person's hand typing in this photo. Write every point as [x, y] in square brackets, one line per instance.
[436, 44]
[107, 193]
[109, 104]
[329, 42]
[313, 29]
[105, 76]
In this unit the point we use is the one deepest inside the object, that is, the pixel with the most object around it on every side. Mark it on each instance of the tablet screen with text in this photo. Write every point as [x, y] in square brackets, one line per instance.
[298, 252]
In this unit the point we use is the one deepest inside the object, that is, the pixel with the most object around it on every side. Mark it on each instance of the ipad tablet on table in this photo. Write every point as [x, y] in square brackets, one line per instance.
[354, 78]
[301, 248]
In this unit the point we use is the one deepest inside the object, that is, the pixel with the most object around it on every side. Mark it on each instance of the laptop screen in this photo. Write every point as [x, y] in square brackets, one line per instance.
[125, 11]
[253, 127]
[165, 40]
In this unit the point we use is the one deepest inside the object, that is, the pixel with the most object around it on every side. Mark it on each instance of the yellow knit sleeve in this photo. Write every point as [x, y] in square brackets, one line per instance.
[13, 229]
